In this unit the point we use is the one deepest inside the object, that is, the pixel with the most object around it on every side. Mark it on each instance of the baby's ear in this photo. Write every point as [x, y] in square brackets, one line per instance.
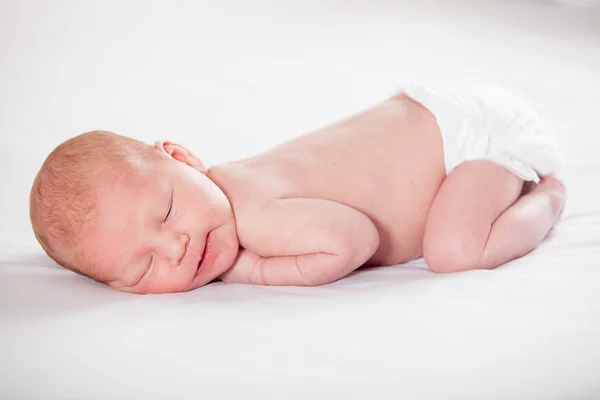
[180, 153]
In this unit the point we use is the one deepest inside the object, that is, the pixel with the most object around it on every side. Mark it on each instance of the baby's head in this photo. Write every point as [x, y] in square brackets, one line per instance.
[143, 219]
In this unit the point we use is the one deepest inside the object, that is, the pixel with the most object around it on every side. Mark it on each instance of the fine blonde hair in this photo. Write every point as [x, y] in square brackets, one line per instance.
[66, 190]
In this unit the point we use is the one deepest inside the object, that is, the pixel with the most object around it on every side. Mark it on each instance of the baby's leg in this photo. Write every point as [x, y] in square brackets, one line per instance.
[479, 220]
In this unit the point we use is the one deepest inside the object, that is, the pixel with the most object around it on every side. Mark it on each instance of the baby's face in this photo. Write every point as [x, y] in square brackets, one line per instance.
[165, 227]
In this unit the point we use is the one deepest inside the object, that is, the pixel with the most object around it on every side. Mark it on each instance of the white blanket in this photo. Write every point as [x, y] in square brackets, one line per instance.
[232, 78]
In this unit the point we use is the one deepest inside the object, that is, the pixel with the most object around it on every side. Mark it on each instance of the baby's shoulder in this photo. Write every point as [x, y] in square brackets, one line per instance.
[245, 187]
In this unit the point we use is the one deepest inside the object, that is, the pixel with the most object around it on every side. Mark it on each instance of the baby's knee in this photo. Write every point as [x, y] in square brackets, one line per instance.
[446, 256]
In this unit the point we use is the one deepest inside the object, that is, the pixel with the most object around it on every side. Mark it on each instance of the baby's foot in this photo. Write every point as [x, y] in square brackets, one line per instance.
[555, 190]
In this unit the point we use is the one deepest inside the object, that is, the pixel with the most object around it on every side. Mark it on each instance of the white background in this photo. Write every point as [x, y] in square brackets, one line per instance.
[233, 77]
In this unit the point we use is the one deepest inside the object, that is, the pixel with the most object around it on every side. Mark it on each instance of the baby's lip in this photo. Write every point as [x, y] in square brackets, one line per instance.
[204, 255]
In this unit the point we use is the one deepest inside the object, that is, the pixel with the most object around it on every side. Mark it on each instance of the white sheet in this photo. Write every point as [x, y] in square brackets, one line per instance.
[233, 78]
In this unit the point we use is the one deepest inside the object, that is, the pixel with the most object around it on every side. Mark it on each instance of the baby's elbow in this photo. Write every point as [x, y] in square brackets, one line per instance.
[359, 247]
[370, 243]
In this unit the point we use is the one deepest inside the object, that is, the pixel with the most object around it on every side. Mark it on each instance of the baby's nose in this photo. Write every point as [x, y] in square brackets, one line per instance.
[176, 247]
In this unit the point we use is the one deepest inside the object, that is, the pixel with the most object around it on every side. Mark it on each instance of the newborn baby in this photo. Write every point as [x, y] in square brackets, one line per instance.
[462, 178]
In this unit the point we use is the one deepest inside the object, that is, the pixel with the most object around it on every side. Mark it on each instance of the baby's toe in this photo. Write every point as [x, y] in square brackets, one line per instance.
[552, 182]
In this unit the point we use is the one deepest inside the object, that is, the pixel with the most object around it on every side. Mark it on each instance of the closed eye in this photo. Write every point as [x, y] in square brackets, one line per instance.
[169, 209]
[146, 271]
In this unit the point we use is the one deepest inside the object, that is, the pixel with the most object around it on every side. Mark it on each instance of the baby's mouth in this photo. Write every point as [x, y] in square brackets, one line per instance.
[205, 255]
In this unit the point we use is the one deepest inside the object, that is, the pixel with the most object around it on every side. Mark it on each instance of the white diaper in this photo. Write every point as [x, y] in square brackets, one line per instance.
[490, 124]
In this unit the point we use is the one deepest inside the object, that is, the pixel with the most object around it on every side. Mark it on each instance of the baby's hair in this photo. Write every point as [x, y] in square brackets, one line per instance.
[67, 188]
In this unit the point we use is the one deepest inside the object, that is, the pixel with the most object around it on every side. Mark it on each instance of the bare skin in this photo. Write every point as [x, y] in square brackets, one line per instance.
[369, 190]
[386, 164]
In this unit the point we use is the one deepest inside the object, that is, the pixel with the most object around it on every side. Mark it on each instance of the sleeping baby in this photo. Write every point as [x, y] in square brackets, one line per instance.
[461, 178]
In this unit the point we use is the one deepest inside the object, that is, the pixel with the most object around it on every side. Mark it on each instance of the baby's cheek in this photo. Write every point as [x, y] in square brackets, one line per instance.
[167, 280]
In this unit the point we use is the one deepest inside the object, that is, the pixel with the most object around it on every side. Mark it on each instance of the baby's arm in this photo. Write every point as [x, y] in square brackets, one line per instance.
[302, 242]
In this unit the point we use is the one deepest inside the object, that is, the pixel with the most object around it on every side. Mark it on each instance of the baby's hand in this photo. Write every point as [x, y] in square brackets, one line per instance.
[242, 269]
[254, 269]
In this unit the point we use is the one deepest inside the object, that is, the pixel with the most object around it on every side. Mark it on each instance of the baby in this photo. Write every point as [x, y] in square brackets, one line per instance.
[462, 178]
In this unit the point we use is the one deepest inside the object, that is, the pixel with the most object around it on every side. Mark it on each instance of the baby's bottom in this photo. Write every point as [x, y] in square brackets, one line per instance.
[481, 219]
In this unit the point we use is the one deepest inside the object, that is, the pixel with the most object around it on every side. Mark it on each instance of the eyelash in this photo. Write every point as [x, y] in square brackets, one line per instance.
[170, 209]
[146, 271]
[150, 265]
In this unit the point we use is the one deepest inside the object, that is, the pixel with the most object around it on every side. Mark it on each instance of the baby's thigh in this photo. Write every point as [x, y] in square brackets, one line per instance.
[468, 202]
[480, 188]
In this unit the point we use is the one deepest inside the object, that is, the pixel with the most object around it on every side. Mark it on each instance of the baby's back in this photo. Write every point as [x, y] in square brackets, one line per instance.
[386, 162]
